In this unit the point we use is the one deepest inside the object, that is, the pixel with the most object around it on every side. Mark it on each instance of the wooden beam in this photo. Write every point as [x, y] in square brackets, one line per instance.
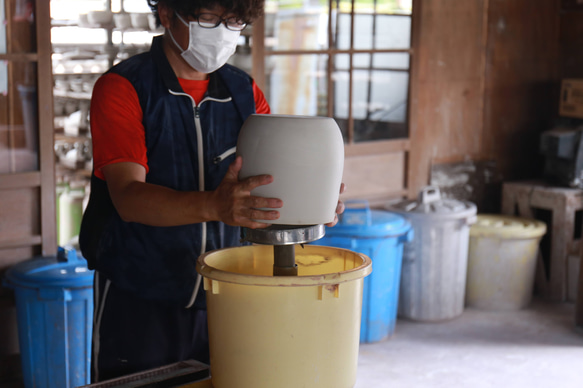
[376, 147]
[332, 51]
[447, 85]
[374, 175]
[21, 242]
[412, 179]
[350, 129]
[579, 301]
[46, 129]
[20, 57]
[522, 83]
[378, 201]
[20, 180]
[258, 52]
[571, 38]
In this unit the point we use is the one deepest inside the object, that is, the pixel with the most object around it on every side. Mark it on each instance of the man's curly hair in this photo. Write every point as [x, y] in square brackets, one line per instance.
[245, 10]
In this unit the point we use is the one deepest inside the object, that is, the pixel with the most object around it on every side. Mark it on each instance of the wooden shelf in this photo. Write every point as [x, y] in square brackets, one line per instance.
[66, 170]
[73, 23]
[22, 242]
[68, 138]
[75, 95]
[56, 75]
[20, 180]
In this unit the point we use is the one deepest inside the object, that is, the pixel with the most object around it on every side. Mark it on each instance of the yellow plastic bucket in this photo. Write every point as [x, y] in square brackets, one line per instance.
[502, 262]
[284, 332]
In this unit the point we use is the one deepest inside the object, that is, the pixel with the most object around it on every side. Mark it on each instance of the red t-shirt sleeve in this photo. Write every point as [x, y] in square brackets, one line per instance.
[116, 124]
[116, 120]
[261, 105]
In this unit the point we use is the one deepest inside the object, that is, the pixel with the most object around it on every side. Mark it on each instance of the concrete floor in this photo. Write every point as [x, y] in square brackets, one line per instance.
[531, 348]
[534, 347]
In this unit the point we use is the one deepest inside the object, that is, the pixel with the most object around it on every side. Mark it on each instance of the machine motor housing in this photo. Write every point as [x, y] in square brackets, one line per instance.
[563, 151]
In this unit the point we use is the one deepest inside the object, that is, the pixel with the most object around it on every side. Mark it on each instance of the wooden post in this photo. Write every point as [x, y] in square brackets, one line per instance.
[579, 301]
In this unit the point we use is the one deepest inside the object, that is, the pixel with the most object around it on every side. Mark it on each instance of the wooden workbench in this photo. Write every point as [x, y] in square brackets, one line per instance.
[524, 199]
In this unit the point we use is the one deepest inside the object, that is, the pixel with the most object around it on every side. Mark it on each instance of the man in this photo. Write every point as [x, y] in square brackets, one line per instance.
[165, 189]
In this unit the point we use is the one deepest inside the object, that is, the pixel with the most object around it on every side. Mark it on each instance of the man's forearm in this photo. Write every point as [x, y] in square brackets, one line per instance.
[155, 205]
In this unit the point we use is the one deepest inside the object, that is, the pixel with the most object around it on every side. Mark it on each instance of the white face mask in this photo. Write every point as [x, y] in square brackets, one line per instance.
[208, 48]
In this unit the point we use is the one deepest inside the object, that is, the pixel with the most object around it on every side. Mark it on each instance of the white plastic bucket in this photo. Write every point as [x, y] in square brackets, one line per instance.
[502, 262]
[284, 331]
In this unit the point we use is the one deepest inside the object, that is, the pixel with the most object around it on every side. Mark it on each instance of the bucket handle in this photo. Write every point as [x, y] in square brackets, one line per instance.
[408, 253]
[407, 237]
[67, 254]
[470, 220]
[354, 208]
[429, 194]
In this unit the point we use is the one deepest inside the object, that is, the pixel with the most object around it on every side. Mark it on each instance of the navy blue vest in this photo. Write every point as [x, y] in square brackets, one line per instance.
[159, 262]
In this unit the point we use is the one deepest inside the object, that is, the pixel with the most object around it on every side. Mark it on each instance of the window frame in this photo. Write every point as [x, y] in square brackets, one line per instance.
[43, 179]
[353, 149]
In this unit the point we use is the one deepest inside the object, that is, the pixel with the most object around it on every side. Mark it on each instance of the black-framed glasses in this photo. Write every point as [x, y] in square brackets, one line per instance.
[210, 20]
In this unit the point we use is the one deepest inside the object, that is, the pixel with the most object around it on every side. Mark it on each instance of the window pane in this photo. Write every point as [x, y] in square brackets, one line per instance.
[341, 25]
[297, 29]
[375, 25]
[17, 22]
[379, 104]
[386, 61]
[381, 32]
[297, 84]
[391, 61]
[401, 7]
[392, 32]
[18, 117]
[379, 97]
[296, 25]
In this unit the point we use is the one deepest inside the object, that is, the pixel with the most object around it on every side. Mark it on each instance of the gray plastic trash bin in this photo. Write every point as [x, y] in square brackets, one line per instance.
[433, 277]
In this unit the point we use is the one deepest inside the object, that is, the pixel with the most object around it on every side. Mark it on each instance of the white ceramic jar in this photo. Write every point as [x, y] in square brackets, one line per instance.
[122, 20]
[305, 156]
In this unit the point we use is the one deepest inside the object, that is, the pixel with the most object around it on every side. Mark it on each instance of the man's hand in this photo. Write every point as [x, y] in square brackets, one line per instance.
[234, 205]
[339, 207]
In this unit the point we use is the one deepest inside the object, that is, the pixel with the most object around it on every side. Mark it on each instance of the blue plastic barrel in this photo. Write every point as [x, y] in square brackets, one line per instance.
[380, 235]
[54, 306]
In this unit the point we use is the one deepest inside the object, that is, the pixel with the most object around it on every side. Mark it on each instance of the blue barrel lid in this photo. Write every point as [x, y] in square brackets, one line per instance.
[67, 269]
[361, 221]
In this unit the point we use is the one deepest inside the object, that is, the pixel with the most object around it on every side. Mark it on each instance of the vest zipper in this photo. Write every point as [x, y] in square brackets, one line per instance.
[200, 151]
[198, 127]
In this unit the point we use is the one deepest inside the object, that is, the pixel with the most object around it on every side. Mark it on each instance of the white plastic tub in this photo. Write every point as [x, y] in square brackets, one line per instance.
[502, 262]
